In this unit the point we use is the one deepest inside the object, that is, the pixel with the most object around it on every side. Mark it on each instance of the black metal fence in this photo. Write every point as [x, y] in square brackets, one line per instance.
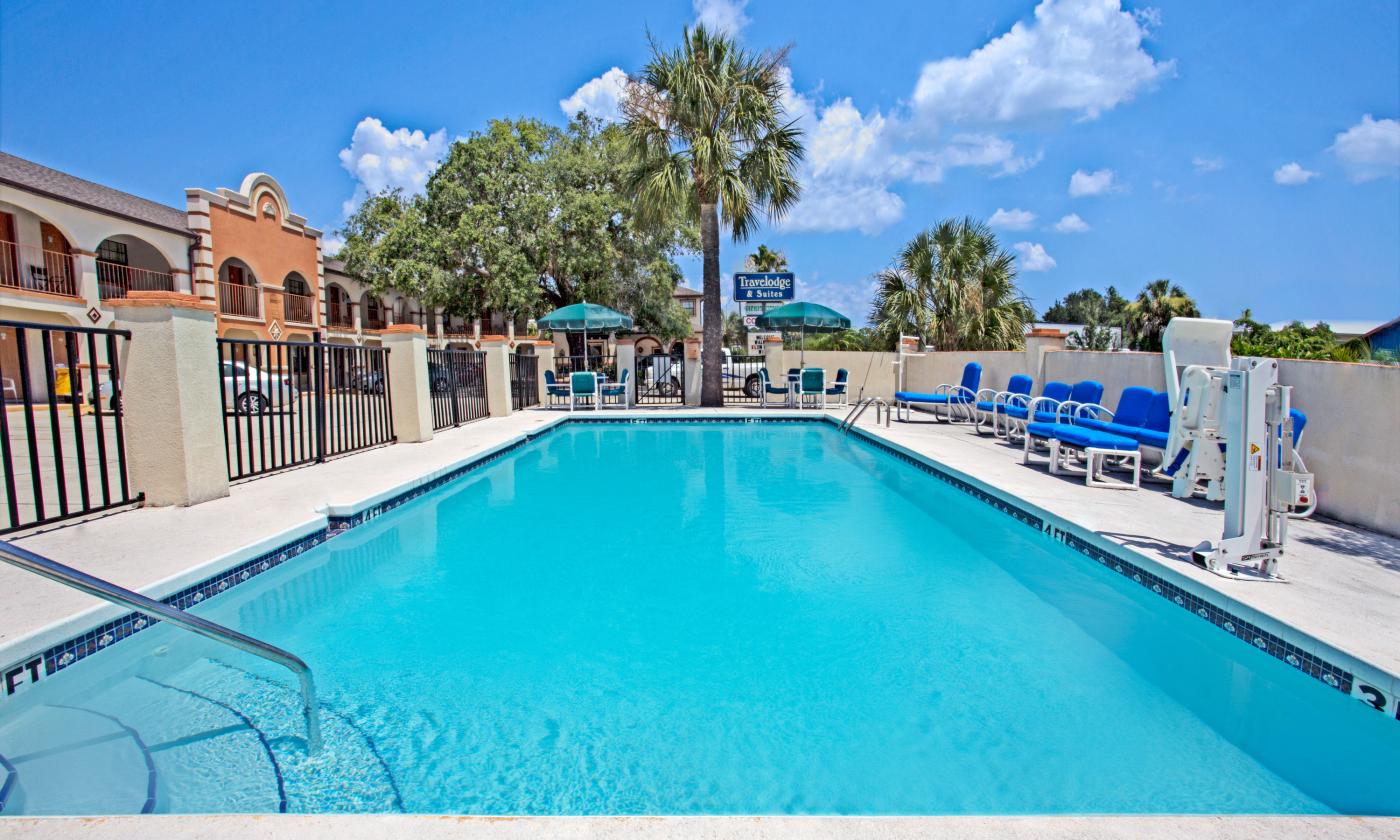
[524, 380]
[604, 363]
[457, 383]
[660, 380]
[741, 382]
[290, 403]
[63, 446]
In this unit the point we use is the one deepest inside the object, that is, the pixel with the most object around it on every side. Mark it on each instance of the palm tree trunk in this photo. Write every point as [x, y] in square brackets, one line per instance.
[711, 315]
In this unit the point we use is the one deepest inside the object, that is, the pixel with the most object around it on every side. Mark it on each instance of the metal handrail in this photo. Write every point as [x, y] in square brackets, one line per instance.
[84, 582]
[854, 414]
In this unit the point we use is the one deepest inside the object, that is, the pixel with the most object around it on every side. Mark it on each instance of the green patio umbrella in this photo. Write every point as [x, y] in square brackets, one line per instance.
[804, 316]
[583, 317]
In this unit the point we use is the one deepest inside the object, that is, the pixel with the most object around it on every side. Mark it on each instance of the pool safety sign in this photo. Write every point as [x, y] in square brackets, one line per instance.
[775, 285]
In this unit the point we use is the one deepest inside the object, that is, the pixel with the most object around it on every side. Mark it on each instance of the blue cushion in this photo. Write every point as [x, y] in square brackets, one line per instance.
[1159, 414]
[1082, 436]
[937, 399]
[774, 389]
[1087, 391]
[1020, 384]
[838, 389]
[1057, 391]
[1151, 437]
[1133, 404]
[972, 376]
[1016, 411]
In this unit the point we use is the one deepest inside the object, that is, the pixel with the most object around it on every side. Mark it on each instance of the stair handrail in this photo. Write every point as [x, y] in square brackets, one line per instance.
[106, 590]
[854, 414]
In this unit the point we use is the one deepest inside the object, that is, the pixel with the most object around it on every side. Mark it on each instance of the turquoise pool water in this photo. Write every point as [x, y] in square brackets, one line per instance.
[699, 618]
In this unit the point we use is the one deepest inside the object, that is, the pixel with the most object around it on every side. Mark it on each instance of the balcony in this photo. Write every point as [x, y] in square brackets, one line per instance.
[372, 318]
[239, 300]
[115, 280]
[298, 308]
[340, 316]
[37, 270]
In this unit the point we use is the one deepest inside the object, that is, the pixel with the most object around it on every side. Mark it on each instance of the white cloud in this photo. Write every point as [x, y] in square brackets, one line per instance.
[851, 299]
[1370, 149]
[599, 97]
[869, 208]
[1072, 224]
[1013, 219]
[1207, 164]
[1033, 256]
[1292, 175]
[379, 159]
[725, 16]
[1077, 57]
[1083, 183]
[331, 244]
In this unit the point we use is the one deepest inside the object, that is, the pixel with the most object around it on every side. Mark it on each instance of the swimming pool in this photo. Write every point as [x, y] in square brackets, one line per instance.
[698, 618]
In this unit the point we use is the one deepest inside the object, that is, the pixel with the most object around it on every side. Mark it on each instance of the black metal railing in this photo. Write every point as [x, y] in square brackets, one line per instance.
[604, 363]
[741, 382]
[291, 403]
[660, 380]
[61, 435]
[457, 384]
[524, 380]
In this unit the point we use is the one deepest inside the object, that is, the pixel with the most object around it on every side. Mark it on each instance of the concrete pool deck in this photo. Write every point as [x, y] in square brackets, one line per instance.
[1344, 590]
[376, 827]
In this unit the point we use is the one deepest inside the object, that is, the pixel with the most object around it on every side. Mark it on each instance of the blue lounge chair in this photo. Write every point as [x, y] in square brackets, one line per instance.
[767, 389]
[838, 388]
[992, 404]
[1096, 446]
[615, 391]
[1017, 412]
[583, 385]
[958, 399]
[556, 391]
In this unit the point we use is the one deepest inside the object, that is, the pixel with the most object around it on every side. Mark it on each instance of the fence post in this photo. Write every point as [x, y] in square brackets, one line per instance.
[497, 375]
[318, 362]
[1038, 343]
[170, 398]
[544, 351]
[626, 359]
[410, 403]
[692, 371]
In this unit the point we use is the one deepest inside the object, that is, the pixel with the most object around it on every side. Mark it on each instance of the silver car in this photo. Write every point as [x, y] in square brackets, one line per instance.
[252, 391]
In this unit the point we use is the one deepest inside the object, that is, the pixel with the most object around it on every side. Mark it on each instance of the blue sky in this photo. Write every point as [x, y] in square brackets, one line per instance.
[1249, 151]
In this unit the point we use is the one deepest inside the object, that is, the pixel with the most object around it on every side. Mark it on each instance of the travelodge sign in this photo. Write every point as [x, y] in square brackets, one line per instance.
[775, 285]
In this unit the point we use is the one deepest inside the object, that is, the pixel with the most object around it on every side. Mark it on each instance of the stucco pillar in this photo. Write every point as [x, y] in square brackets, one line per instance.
[410, 402]
[692, 371]
[773, 360]
[497, 375]
[86, 281]
[544, 351]
[182, 281]
[626, 356]
[170, 398]
[1038, 343]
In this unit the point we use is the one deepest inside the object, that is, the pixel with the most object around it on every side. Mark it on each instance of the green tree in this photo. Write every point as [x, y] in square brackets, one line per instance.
[735, 333]
[1155, 306]
[710, 142]
[766, 260]
[1076, 308]
[1294, 341]
[955, 287]
[521, 218]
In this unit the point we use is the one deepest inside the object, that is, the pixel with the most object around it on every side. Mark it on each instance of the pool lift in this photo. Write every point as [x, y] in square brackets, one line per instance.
[1232, 436]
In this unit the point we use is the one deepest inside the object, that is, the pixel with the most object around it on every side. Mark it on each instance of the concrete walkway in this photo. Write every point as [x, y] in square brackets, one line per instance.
[378, 827]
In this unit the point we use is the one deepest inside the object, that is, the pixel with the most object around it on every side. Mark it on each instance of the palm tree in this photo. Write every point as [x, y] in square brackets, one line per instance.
[1156, 305]
[735, 332]
[766, 260]
[953, 286]
[709, 140]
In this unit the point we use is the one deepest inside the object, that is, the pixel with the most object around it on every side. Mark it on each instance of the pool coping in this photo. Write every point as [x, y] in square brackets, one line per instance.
[63, 643]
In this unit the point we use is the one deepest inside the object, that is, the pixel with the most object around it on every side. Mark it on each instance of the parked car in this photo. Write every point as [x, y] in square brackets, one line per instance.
[253, 391]
[665, 372]
[365, 380]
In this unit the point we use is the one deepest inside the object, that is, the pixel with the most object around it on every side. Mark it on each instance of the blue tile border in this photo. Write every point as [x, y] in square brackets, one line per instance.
[1121, 561]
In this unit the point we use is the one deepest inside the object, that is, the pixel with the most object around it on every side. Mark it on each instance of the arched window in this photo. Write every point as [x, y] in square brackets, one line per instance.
[338, 312]
[297, 300]
[238, 289]
[372, 317]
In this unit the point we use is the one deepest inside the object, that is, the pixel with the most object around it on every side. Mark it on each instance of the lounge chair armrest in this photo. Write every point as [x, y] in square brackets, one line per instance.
[1034, 406]
[1010, 398]
[991, 393]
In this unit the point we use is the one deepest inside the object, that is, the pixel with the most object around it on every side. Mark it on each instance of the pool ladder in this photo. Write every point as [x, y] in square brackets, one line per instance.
[856, 411]
[107, 591]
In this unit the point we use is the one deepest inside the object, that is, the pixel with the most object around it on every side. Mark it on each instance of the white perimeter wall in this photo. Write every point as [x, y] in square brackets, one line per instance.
[1352, 441]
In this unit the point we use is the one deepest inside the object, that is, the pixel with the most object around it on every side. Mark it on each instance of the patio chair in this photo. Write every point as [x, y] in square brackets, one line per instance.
[557, 392]
[615, 391]
[583, 385]
[958, 399]
[838, 388]
[1045, 408]
[812, 383]
[1094, 446]
[992, 404]
[767, 389]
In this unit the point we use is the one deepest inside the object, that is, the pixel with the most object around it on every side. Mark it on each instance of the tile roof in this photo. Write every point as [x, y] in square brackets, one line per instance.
[25, 174]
